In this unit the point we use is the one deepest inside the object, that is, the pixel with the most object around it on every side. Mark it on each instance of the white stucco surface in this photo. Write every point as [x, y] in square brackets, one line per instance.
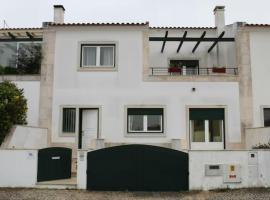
[81, 169]
[31, 93]
[113, 91]
[26, 137]
[256, 136]
[254, 173]
[260, 68]
[18, 168]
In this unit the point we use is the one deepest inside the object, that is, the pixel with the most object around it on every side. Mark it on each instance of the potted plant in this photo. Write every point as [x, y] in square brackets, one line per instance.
[216, 69]
[174, 68]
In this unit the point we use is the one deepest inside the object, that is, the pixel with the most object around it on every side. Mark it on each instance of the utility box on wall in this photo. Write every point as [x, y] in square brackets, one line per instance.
[213, 170]
[232, 173]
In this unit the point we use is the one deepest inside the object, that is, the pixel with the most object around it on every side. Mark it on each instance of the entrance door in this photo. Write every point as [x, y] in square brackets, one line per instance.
[89, 127]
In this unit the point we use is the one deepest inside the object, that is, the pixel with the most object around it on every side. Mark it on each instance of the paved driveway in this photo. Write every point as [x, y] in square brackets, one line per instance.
[45, 194]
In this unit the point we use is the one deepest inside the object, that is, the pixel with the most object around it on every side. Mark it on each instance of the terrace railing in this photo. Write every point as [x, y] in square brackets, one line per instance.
[206, 71]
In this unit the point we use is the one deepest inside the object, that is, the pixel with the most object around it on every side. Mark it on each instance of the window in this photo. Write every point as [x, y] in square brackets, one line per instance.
[23, 55]
[145, 120]
[266, 117]
[68, 120]
[206, 125]
[188, 67]
[97, 55]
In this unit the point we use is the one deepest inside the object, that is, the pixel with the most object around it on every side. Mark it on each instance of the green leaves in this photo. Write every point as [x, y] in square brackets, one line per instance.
[13, 107]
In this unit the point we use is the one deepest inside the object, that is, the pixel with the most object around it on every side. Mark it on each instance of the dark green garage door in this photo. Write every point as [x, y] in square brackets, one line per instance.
[54, 163]
[137, 168]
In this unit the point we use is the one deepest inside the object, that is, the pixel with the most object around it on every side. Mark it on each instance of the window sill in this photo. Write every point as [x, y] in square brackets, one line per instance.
[131, 135]
[97, 69]
[67, 134]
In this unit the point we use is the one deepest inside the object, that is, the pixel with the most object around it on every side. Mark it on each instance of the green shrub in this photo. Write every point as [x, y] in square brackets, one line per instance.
[13, 107]
[262, 146]
[10, 70]
[2, 70]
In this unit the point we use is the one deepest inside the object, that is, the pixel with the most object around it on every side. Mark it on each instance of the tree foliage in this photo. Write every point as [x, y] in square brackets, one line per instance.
[13, 107]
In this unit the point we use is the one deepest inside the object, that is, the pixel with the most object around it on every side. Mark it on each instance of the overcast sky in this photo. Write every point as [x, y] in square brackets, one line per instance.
[31, 13]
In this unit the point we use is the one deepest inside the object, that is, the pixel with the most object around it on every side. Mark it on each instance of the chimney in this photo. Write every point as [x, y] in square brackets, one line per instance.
[219, 17]
[59, 12]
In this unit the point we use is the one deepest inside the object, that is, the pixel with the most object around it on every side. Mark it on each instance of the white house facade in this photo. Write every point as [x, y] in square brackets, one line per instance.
[103, 85]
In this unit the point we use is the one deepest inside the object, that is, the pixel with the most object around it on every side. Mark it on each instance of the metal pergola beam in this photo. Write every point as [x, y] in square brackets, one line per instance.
[215, 43]
[189, 39]
[181, 42]
[20, 39]
[11, 35]
[29, 35]
[199, 41]
[164, 41]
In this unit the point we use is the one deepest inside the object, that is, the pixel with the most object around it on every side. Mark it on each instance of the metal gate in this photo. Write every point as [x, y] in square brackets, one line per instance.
[54, 163]
[137, 168]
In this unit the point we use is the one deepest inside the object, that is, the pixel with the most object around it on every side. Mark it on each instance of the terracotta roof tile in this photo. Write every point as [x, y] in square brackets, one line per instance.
[173, 27]
[14, 29]
[98, 24]
[258, 25]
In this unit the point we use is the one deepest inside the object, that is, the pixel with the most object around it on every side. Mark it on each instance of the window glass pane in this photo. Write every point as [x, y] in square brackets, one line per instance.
[106, 56]
[154, 122]
[215, 130]
[266, 114]
[198, 130]
[8, 54]
[89, 56]
[29, 57]
[135, 122]
[69, 120]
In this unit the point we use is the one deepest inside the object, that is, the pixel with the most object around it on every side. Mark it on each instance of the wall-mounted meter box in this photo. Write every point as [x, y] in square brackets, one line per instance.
[213, 170]
[231, 173]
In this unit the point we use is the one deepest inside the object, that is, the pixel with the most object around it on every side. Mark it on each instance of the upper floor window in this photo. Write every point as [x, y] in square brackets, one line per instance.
[97, 55]
[19, 57]
[186, 67]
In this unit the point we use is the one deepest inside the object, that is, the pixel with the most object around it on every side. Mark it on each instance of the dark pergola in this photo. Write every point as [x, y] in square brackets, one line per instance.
[19, 36]
[198, 40]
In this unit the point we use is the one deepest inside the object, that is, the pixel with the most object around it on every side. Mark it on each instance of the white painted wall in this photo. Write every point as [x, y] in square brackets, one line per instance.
[252, 174]
[260, 68]
[112, 91]
[81, 169]
[255, 136]
[26, 137]
[31, 93]
[18, 168]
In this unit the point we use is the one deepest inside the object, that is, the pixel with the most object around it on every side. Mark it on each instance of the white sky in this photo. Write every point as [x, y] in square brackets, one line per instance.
[31, 13]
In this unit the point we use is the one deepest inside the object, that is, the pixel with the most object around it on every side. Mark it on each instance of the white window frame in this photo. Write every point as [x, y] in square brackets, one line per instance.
[98, 47]
[145, 125]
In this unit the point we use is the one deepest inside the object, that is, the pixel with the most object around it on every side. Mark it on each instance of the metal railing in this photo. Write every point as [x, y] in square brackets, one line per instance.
[207, 71]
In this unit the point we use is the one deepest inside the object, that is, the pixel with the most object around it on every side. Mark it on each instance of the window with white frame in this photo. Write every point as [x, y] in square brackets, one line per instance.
[145, 120]
[97, 55]
[206, 124]
[68, 120]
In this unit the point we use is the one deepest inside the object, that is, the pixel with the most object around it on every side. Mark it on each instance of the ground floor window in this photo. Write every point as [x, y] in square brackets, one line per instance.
[206, 125]
[68, 120]
[145, 120]
[266, 117]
